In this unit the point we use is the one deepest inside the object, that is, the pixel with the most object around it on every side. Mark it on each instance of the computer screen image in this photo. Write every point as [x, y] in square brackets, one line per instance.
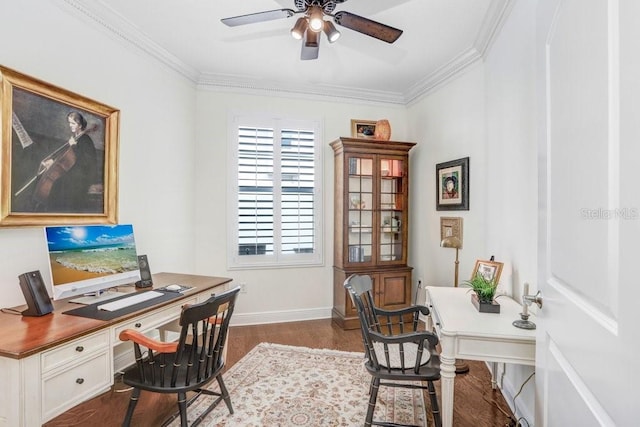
[87, 259]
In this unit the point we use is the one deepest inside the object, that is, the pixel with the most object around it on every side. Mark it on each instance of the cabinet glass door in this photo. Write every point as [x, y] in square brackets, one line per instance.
[391, 210]
[360, 206]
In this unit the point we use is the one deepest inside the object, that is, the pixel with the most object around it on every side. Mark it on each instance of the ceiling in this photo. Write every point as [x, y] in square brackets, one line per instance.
[441, 38]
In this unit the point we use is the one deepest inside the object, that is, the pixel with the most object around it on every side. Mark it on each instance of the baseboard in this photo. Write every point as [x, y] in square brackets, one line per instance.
[244, 319]
[509, 390]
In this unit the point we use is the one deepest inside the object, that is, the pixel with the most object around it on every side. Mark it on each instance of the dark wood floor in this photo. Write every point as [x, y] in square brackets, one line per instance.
[476, 403]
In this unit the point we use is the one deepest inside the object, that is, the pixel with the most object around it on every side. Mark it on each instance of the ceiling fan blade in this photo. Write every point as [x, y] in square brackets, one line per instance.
[252, 18]
[367, 26]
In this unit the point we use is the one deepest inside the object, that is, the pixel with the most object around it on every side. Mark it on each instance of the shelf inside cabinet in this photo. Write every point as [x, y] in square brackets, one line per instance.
[366, 230]
[390, 229]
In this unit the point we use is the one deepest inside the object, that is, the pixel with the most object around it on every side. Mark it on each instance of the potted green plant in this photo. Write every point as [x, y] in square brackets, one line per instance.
[484, 292]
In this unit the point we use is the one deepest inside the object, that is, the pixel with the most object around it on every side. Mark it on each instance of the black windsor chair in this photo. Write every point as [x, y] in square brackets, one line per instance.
[397, 353]
[188, 364]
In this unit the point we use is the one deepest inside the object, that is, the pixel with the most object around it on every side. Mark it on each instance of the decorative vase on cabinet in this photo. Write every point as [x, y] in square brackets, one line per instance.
[383, 130]
[371, 223]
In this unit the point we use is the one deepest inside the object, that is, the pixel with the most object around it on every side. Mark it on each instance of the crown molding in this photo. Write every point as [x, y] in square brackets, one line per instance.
[442, 75]
[492, 24]
[209, 81]
[117, 26]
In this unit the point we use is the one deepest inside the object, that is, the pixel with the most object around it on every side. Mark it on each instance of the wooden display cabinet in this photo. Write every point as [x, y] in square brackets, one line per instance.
[371, 222]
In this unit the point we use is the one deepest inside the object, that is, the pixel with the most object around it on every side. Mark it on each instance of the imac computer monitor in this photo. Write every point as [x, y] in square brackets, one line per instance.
[86, 259]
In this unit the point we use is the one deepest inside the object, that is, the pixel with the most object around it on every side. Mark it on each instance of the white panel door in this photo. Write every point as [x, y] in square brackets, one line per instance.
[587, 355]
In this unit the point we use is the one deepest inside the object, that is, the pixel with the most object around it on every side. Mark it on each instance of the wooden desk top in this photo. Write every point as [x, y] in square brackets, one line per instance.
[22, 336]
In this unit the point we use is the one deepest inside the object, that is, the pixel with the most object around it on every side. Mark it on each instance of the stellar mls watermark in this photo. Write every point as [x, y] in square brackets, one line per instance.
[607, 214]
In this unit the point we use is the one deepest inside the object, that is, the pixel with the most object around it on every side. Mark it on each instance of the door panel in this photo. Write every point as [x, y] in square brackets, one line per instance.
[583, 208]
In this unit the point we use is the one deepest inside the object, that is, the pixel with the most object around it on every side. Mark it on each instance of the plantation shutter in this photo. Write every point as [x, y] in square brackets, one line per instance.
[276, 175]
[297, 199]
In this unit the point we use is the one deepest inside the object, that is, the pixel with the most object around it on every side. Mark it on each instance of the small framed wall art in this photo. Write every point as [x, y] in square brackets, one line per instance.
[452, 185]
[363, 128]
[450, 227]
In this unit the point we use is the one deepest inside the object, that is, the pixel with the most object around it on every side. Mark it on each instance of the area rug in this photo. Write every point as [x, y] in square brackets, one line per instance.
[278, 385]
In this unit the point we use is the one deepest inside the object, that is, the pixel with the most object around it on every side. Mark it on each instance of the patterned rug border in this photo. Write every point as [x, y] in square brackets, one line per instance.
[300, 349]
[266, 389]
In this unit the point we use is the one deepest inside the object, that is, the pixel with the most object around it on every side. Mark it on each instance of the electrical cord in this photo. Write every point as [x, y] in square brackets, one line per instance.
[521, 387]
[10, 311]
[495, 403]
[516, 423]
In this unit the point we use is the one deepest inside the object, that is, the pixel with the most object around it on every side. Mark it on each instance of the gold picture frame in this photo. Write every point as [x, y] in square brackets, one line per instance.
[451, 227]
[59, 153]
[363, 128]
[490, 270]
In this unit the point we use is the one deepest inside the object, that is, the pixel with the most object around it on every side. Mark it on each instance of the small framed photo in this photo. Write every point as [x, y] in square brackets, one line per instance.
[490, 270]
[451, 227]
[363, 128]
[452, 185]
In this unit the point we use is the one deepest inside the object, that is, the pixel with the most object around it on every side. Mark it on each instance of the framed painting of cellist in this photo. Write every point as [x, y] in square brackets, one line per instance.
[59, 155]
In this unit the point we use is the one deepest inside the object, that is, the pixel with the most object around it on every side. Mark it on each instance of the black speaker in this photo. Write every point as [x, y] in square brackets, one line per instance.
[35, 293]
[145, 273]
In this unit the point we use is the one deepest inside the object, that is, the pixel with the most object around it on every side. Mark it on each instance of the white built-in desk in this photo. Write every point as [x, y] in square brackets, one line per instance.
[51, 363]
[466, 333]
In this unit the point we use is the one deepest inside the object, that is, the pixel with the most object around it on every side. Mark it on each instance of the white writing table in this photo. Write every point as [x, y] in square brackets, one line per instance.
[465, 333]
[51, 363]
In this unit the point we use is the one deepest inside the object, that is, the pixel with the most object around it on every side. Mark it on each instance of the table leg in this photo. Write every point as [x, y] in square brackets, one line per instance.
[494, 375]
[447, 376]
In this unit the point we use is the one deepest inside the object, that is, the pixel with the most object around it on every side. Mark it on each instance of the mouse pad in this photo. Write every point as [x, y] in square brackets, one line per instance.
[175, 288]
[91, 311]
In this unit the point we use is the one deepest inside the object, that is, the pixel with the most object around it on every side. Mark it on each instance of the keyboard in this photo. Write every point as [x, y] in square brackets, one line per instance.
[129, 301]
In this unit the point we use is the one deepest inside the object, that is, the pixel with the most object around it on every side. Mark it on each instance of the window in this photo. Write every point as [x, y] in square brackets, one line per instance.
[276, 198]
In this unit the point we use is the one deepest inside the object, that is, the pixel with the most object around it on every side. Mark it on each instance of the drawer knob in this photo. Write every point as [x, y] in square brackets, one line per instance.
[79, 349]
[138, 325]
[80, 380]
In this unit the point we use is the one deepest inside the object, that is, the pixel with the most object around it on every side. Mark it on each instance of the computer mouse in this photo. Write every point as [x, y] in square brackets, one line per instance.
[174, 287]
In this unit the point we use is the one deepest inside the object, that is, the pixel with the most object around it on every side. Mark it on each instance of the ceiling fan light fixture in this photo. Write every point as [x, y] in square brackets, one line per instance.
[316, 23]
[311, 38]
[331, 32]
[297, 32]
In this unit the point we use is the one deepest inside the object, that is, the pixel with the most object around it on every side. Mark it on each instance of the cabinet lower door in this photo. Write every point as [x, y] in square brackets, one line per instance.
[391, 290]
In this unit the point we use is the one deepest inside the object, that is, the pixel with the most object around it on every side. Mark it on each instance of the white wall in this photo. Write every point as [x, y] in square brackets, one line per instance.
[157, 129]
[512, 202]
[272, 294]
[489, 115]
[450, 124]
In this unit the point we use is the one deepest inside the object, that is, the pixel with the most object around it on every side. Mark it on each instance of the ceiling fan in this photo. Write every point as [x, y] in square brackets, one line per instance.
[308, 27]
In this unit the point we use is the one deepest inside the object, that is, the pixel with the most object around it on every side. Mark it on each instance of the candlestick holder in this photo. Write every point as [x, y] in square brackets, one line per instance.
[524, 322]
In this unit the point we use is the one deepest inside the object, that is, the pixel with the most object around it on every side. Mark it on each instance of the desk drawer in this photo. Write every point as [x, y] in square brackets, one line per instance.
[74, 350]
[435, 320]
[77, 384]
[152, 321]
